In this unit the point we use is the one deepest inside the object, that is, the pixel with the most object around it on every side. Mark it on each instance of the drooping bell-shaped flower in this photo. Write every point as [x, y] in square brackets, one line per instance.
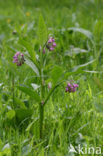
[71, 87]
[18, 59]
[51, 44]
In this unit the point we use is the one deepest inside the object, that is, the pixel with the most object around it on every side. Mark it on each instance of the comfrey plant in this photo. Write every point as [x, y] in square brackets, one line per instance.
[47, 82]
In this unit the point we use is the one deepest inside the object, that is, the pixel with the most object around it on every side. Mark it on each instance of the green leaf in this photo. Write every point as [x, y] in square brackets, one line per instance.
[79, 67]
[26, 150]
[42, 31]
[41, 152]
[99, 107]
[75, 51]
[92, 71]
[6, 150]
[67, 74]
[99, 83]
[35, 86]
[98, 30]
[32, 66]
[98, 102]
[33, 94]
[21, 114]
[29, 48]
[1, 84]
[10, 114]
[51, 91]
[18, 102]
[31, 124]
[56, 74]
[87, 33]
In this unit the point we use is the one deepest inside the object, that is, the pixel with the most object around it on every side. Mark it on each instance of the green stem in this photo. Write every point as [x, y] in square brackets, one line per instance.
[42, 96]
[13, 89]
[41, 120]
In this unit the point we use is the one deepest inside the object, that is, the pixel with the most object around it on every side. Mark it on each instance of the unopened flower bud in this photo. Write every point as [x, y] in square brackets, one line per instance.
[43, 50]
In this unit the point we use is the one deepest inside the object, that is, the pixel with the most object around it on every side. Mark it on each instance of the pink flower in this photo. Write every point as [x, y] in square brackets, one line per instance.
[51, 44]
[18, 59]
[54, 44]
[71, 87]
[51, 48]
[50, 40]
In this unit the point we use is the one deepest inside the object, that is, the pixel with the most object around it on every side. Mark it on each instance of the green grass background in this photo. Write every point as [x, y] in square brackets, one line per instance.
[69, 118]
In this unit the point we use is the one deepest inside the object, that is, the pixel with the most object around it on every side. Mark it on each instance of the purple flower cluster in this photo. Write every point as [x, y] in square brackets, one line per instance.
[51, 44]
[18, 59]
[71, 87]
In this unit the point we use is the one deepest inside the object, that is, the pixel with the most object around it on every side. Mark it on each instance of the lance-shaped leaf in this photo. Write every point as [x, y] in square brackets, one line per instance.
[75, 51]
[32, 65]
[78, 69]
[31, 124]
[29, 48]
[42, 31]
[33, 94]
[87, 33]
[83, 65]
[91, 71]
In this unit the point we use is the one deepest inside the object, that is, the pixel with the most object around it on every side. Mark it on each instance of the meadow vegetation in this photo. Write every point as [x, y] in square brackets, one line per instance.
[70, 117]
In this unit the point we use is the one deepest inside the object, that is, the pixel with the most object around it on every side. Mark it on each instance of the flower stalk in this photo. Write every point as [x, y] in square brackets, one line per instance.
[41, 107]
[41, 111]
